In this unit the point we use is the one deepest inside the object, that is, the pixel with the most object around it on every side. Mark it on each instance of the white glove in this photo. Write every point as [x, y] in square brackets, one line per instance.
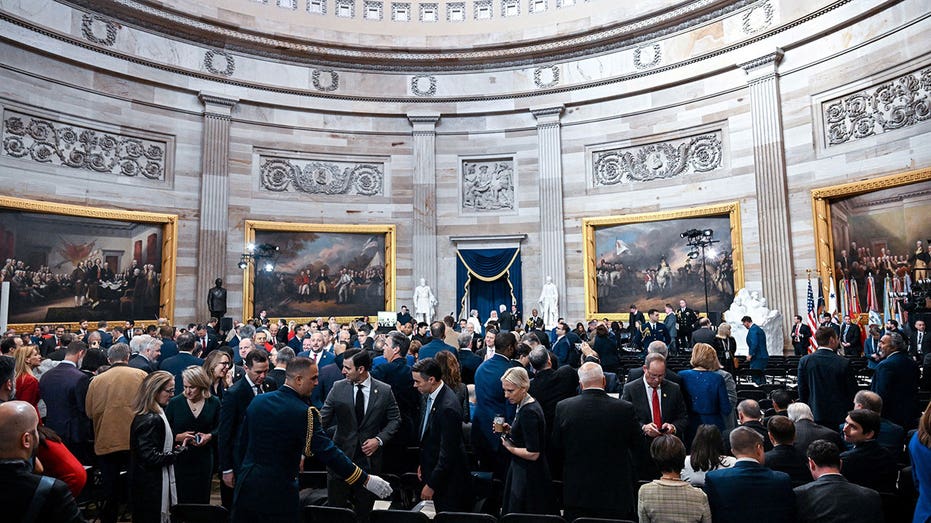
[378, 486]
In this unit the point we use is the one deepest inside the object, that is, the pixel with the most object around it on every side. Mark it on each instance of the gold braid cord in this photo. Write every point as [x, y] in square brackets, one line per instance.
[311, 411]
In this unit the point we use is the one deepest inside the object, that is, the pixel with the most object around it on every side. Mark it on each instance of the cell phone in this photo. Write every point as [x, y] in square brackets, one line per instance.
[198, 438]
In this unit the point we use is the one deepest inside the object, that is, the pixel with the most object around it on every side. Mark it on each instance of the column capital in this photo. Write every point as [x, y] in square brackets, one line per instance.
[423, 121]
[547, 115]
[762, 67]
[217, 104]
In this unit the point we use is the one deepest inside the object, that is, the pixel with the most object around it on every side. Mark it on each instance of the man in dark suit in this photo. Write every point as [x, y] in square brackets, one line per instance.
[807, 431]
[19, 486]
[658, 405]
[828, 321]
[758, 354]
[550, 385]
[490, 402]
[297, 342]
[53, 342]
[106, 339]
[397, 374]
[208, 340]
[267, 487]
[468, 360]
[749, 416]
[149, 350]
[919, 347]
[830, 497]
[169, 347]
[801, 336]
[591, 432]
[362, 415]
[635, 322]
[443, 466]
[659, 348]
[784, 457]
[563, 347]
[653, 330]
[825, 380]
[313, 348]
[236, 400]
[891, 436]
[704, 333]
[279, 373]
[182, 360]
[867, 463]
[749, 490]
[64, 390]
[896, 382]
[851, 337]
[436, 344]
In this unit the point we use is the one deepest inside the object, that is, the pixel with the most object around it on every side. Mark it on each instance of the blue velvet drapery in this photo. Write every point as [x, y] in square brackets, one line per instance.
[490, 277]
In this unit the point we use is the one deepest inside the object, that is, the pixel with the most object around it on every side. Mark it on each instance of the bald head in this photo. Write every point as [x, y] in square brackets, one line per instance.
[18, 435]
[591, 376]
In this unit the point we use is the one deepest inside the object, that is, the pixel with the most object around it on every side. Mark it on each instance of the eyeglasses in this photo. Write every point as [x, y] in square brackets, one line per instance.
[169, 391]
[224, 364]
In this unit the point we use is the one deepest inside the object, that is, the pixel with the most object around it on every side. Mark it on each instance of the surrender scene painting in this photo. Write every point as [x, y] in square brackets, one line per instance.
[64, 268]
[647, 263]
[884, 233]
[322, 273]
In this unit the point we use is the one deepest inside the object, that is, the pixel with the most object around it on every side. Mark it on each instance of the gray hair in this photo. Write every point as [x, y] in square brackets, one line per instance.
[538, 358]
[869, 401]
[285, 354]
[591, 375]
[465, 339]
[799, 410]
[653, 356]
[246, 331]
[897, 341]
[150, 343]
[658, 347]
[118, 352]
[135, 344]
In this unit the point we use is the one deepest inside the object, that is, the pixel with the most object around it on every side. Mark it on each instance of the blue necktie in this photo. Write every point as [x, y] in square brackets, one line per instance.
[426, 415]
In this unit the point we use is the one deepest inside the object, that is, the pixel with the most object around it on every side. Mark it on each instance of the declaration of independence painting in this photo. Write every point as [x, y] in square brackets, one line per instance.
[885, 233]
[644, 260]
[330, 271]
[67, 268]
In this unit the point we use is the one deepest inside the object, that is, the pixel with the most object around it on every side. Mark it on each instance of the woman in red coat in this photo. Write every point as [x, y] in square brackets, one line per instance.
[55, 460]
[27, 386]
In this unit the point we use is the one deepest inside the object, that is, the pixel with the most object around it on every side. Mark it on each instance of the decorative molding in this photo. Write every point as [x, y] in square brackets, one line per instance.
[88, 23]
[418, 90]
[658, 161]
[901, 102]
[538, 76]
[487, 185]
[431, 7]
[454, 6]
[52, 142]
[508, 4]
[212, 54]
[322, 6]
[479, 5]
[340, 4]
[331, 86]
[369, 4]
[757, 18]
[397, 7]
[657, 53]
[316, 176]
[773, 59]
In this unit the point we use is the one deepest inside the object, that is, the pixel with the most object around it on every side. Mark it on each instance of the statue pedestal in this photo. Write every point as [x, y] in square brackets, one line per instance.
[748, 303]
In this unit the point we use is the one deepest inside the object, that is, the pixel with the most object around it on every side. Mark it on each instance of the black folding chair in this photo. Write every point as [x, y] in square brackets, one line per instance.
[321, 514]
[198, 513]
[531, 518]
[464, 517]
[601, 520]
[398, 516]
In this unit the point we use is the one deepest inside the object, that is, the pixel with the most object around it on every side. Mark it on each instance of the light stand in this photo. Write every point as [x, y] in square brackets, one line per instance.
[698, 241]
[257, 253]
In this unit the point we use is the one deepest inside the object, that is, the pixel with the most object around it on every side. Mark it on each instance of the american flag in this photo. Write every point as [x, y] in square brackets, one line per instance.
[812, 319]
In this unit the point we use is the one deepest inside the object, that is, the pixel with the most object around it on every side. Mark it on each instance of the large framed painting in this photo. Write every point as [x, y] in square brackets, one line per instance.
[644, 259]
[67, 263]
[312, 270]
[876, 227]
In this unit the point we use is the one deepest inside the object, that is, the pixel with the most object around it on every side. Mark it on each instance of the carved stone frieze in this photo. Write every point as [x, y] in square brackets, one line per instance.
[91, 25]
[546, 76]
[423, 85]
[329, 85]
[757, 18]
[648, 56]
[894, 104]
[488, 185]
[57, 143]
[656, 161]
[214, 58]
[322, 176]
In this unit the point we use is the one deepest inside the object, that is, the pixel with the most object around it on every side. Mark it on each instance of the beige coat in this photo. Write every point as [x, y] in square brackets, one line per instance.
[109, 406]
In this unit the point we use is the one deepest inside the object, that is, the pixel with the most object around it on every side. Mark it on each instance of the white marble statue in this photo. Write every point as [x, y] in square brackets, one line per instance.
[424, 302]
[549, 303]
[750, 303]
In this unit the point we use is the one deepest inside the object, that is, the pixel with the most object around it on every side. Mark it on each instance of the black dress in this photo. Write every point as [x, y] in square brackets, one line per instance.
[194, 468]
[147, 458]
[726, 347]
[528, 484]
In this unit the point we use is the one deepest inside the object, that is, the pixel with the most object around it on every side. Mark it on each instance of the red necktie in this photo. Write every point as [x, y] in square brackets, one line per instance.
[657, 418]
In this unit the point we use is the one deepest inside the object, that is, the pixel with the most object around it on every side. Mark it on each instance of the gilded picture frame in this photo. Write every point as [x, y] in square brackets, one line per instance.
[823, 198]
[299, 250]
[726, 213]
[71, 255]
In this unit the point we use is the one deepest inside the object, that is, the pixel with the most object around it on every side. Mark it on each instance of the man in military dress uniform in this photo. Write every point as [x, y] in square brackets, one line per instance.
[687, 320]
[280, 428]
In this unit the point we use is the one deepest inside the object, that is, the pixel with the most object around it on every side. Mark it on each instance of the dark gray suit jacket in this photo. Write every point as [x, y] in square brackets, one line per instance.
[382, 420]
[831, 498]
[671, 403]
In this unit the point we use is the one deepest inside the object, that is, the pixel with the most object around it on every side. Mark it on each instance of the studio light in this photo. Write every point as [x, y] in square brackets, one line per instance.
[699, 243]
[263, 252]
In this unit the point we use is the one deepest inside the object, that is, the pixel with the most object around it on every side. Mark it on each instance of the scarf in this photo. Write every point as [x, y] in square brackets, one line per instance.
[169, 492]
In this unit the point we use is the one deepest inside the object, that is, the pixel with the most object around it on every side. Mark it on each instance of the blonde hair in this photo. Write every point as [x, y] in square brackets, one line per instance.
[518, 377]
[145, 400]
[704, 356]
[198, 379]
[724, 330]
[21, 355]
[211, 362]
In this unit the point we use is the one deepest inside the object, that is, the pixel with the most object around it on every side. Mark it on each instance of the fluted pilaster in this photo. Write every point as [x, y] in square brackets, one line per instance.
[771, 184]
[424, 259]
[552, 229]
[214, 196]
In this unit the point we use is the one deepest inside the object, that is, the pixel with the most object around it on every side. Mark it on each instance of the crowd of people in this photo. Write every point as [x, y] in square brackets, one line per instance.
[647, 422]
